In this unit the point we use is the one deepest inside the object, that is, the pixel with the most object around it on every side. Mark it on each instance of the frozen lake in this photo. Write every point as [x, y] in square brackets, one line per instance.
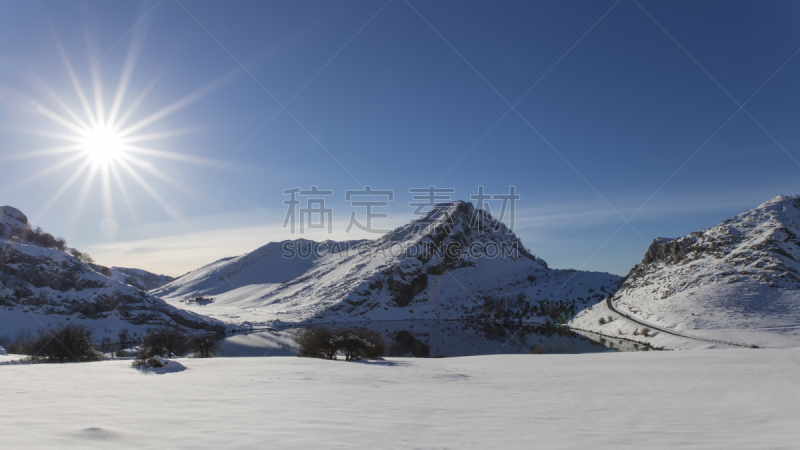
[430, 339]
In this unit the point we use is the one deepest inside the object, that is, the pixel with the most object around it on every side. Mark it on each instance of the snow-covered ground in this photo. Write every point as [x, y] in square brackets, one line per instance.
[733, 398]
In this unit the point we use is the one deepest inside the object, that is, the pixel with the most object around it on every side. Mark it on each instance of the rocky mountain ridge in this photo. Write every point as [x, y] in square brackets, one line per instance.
[455, 262]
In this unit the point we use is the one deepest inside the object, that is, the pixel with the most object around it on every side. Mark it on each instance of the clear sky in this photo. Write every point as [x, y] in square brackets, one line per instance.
[668, 115]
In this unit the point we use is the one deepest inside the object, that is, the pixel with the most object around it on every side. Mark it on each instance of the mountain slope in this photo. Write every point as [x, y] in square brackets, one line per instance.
[42, 285]
[139, 278]
[453, 263]
[737, 281]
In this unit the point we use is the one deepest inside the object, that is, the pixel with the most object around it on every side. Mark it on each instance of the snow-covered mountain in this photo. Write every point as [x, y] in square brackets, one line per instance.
[738, 281]
[139, 278]
[41, 283]
[455, 262]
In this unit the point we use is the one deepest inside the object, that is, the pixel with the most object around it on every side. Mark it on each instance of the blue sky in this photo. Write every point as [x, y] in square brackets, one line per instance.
[622, 111]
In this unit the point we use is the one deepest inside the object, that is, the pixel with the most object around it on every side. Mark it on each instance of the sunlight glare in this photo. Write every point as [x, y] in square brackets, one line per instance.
[104, 144]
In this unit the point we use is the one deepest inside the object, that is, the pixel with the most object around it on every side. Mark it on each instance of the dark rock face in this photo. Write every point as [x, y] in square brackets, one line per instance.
[404, 285]
[668, 251]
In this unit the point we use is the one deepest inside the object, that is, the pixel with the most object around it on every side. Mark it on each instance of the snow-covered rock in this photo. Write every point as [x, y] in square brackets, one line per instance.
[737, 281]
[455, 262]
[11, 220]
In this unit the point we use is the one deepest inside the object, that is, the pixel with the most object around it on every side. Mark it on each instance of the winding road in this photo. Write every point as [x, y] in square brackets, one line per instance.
[611, 306]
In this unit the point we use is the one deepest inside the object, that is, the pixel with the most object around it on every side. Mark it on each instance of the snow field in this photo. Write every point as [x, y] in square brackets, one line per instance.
[734, 398]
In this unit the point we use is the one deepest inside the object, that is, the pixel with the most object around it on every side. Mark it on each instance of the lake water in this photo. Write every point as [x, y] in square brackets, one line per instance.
[429, 339]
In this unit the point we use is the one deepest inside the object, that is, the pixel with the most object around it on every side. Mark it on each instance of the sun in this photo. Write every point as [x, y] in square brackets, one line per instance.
[104, 145]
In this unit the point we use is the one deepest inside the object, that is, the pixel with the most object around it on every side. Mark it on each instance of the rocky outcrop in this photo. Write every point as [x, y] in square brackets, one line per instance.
[406, 281]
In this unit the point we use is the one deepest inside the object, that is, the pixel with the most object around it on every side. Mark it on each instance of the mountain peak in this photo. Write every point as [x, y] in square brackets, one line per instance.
[789, 200]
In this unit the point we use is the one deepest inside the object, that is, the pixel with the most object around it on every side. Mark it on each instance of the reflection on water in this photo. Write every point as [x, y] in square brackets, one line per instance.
[428, 338]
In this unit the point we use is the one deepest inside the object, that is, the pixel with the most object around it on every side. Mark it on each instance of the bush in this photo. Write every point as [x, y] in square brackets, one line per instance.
[70, 343]
[645, 332]
[601, 321]
[205, 346]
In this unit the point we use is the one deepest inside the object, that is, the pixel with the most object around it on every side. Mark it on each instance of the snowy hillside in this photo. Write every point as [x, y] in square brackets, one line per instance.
[738, 281]
[139, 278]
[41, 285]
[455, 262]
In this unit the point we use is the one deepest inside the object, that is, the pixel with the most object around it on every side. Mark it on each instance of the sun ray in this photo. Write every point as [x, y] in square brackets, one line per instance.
[76, 82]
[120, 184]
[150, 168]
[45, 152]
[146, 186]
[48, 171]
[197, 160]
[159, 135]
[134, 49]
[136, 102]
[88, 181]
[58, 118]
[108, 211]
[63, 189]
[184, 102]
[97, 86]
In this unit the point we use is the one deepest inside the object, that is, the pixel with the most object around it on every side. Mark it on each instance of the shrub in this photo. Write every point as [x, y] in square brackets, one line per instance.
[601, 321]
[69, 343]
[205, 346]
[143, 360]
[646, 332]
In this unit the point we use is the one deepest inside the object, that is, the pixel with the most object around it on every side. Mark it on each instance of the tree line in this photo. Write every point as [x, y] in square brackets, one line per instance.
[74, 342]
[352, 343]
